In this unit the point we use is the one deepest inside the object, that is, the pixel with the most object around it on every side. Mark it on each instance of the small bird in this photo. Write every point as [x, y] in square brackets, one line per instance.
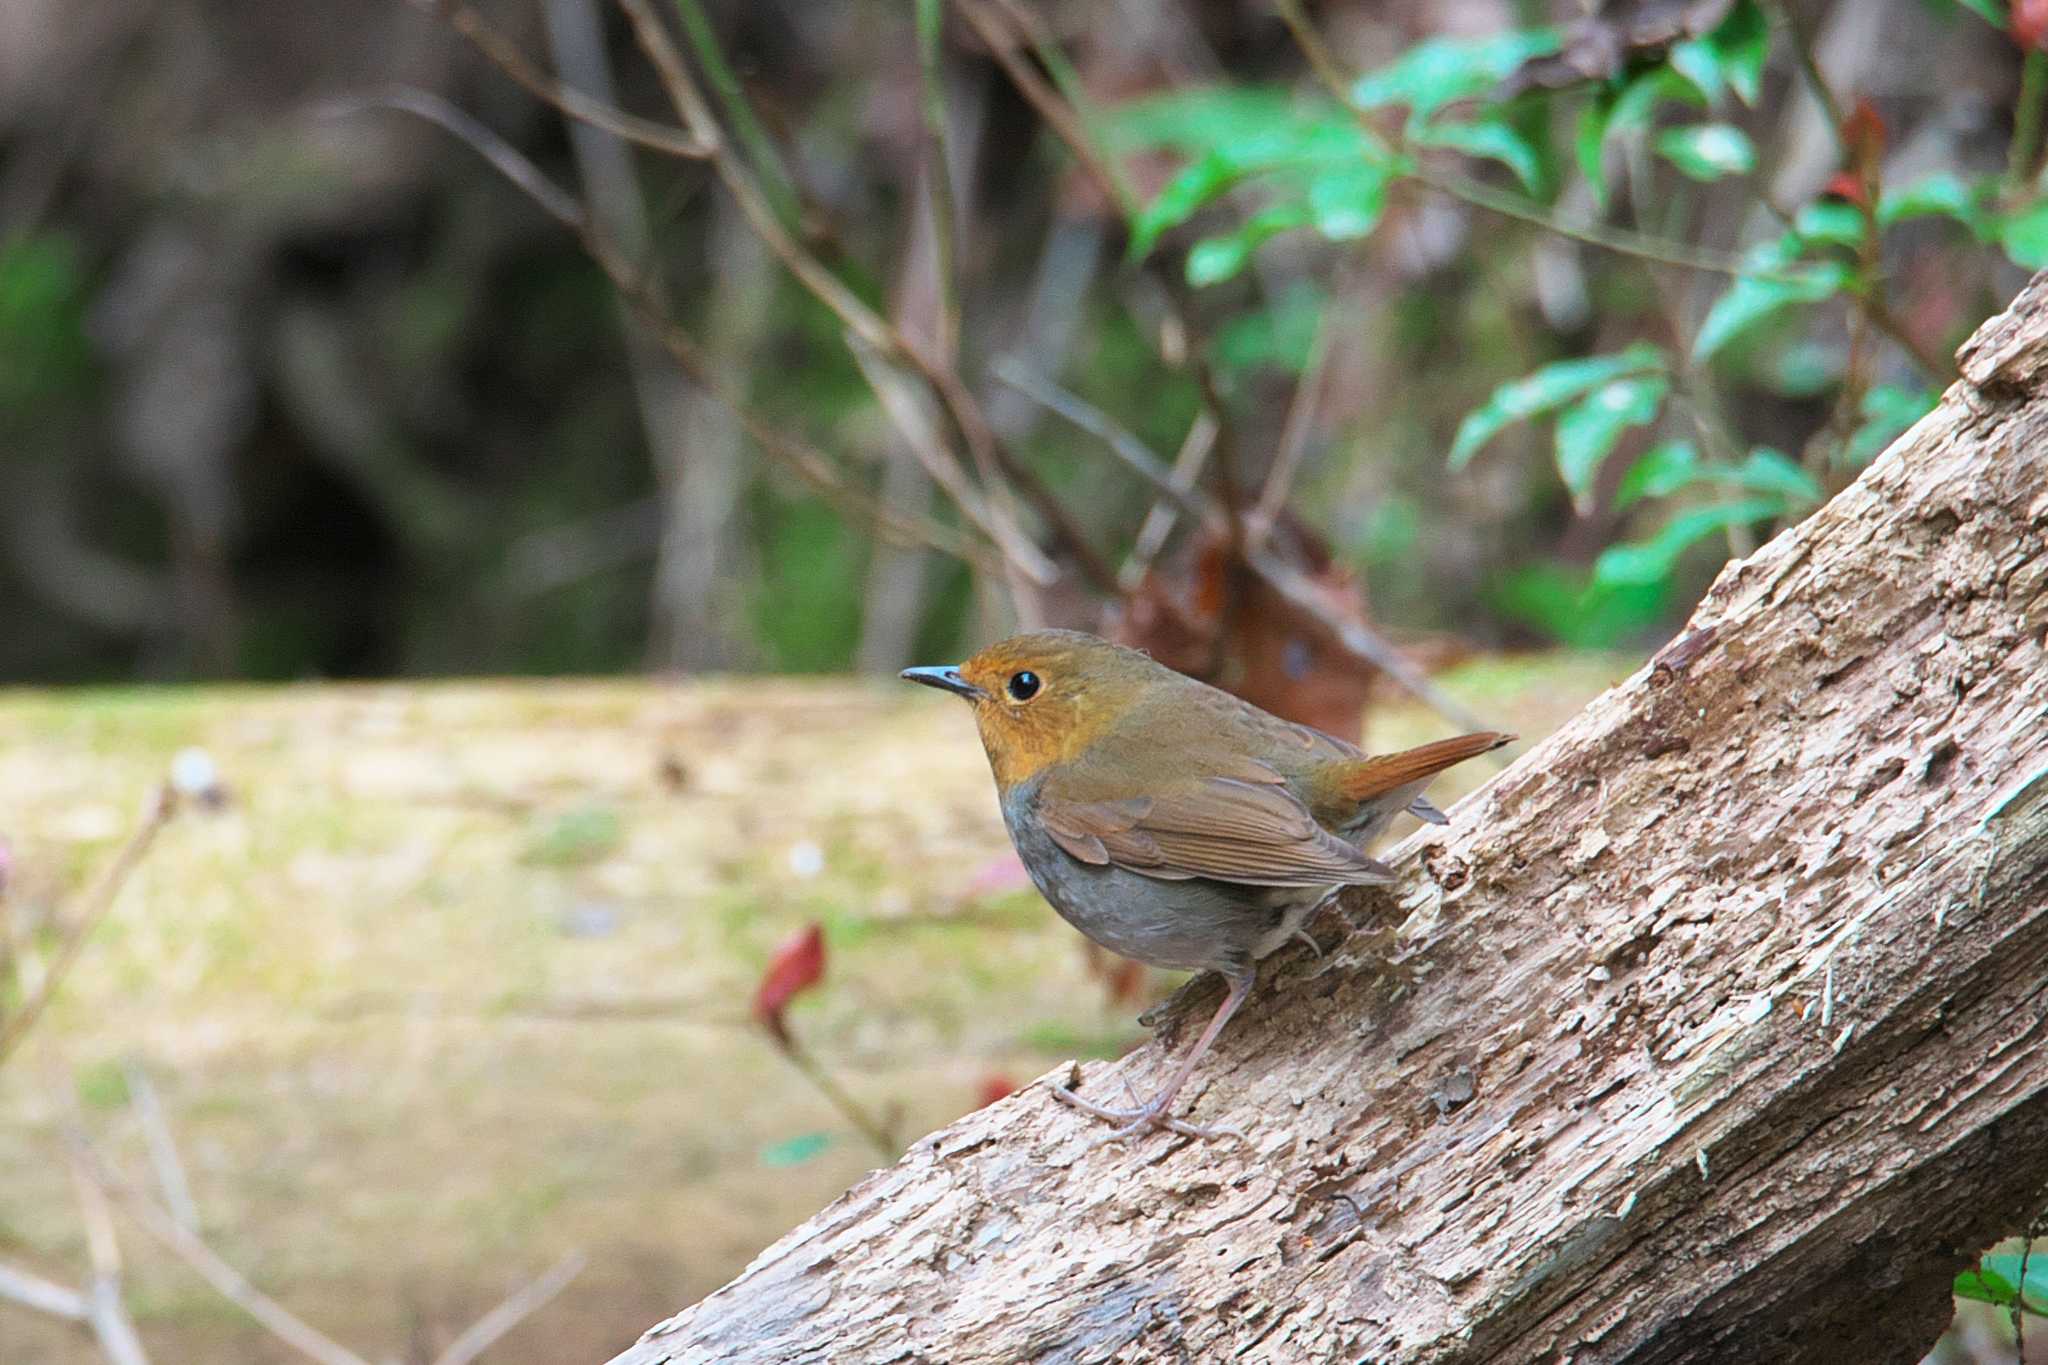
[1172, 822]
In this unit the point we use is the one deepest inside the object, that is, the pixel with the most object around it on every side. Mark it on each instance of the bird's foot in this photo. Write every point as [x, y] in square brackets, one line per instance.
[1143, 1119]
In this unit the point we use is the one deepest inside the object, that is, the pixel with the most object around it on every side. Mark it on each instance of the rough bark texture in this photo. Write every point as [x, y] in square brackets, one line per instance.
[1713, 1029]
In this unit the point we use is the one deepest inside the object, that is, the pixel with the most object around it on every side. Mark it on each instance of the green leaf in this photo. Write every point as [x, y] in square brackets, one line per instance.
[1831, 222]
[1771, 471]
[1887, 411]
[2025, 235]
[1664, 468]
[1991, 11]
[1194, 120]
[1441, 71]
[1563, 604]
[1492, 139]
[1708, 151]
[1655, 559]
[1750, 300]
[1346, 203]
[1997, 1280]
[1543, 390]
[1216, 259]
[1637, 103]
[1198, 182]
[1587, 430]
[1699, 61]
[1743, 43]
[1589, 143]
[1940, 194]
[1279, 336]
[795, 1151]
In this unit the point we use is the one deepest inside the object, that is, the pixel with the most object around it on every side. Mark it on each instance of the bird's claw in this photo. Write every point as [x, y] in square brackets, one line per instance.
[1141, 1120]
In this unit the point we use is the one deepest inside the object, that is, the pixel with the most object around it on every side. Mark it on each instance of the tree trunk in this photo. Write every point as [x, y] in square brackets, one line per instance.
[1713, 1029]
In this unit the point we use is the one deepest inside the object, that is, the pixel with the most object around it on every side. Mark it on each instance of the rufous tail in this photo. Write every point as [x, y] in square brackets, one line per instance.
[1382, 773]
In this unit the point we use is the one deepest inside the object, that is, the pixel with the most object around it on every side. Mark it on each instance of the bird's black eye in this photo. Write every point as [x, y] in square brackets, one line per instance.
[1023, 686]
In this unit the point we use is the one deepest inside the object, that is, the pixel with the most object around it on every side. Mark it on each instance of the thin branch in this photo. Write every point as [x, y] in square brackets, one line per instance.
[779, 184]
[1066, 124]
[287, 1328]
[161, 806]
[692, 108]
[517, 1307]
[912, 418]
[1301, 417]
[1058, 113]
[1362, 642]
[163, 1147]
[105, 1312]
[804, 460]
[938, 175]
[1160, 517]
[555, 201]
[1122, 442]
[507, 56]
[1809, 67]
[863, 322]
[44, 1296]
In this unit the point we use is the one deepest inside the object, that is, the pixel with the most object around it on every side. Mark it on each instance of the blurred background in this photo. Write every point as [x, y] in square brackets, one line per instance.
[1399, 365]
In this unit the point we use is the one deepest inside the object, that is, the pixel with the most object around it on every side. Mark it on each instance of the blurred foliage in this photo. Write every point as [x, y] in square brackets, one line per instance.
[290, 396]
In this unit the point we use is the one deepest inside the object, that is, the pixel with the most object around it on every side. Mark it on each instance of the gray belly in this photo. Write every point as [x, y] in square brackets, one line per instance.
[1190, 925]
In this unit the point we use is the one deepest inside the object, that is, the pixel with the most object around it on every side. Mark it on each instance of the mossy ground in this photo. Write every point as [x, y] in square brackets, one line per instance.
[460, 980]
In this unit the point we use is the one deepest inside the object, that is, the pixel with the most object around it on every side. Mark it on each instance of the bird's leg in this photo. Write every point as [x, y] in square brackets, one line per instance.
[1152, 1114]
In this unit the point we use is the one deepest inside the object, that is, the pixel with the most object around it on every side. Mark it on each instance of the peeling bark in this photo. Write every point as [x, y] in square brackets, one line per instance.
[1712, 1029]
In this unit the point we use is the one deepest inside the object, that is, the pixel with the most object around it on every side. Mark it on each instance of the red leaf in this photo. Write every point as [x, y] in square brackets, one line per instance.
[993, 1087]
[2030, 23]
[1863, 132]
[797, 964]
[1845, 185]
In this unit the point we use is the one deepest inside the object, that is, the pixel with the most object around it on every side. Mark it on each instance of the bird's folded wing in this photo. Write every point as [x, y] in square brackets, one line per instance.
[1224, 828]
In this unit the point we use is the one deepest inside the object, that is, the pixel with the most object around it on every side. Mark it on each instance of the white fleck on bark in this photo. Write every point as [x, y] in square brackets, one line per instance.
[1712, 1029]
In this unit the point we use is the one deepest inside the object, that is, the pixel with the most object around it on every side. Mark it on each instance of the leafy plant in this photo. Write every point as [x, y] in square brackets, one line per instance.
[1262, 162]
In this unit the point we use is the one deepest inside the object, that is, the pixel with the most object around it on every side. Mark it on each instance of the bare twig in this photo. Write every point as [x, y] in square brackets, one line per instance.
[779, 185]
[105, 1311]
[1058, 114]
[1301, 419]
[695, 111]
[163, 1148]
[867, 1125]
[800, 457]
[1120, 439]
[555, 201]
[156, 813]
[938, 177]
[517, 1307]
[44, 1296]
[912, 418]
[1809, 67]
[1159, 518]
[508, 58]
[279, 1321]
[1362, 642]
[994, 461]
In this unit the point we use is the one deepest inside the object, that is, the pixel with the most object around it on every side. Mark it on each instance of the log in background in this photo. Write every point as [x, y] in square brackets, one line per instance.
[1713, 1029]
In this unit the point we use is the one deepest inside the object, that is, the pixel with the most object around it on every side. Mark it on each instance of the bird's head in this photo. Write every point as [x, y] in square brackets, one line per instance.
[1043, 698]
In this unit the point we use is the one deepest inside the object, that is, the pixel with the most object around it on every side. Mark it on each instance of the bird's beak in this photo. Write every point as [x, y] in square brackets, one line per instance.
[946, 678]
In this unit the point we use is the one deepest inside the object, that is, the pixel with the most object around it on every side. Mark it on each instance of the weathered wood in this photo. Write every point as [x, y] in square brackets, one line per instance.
[1712, 1029]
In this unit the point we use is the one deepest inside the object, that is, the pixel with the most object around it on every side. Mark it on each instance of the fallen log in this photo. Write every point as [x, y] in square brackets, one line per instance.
[1713, 1029]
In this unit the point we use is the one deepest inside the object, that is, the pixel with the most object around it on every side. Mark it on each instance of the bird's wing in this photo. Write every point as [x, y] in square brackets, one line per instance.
[1229, 829]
